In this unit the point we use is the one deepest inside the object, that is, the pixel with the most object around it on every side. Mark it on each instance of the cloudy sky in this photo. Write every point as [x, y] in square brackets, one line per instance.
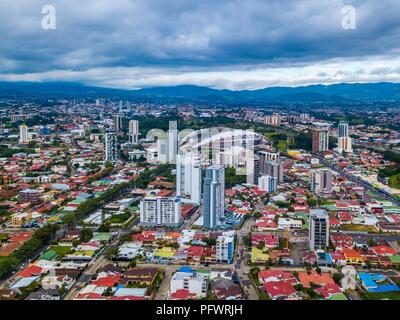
[235, 44]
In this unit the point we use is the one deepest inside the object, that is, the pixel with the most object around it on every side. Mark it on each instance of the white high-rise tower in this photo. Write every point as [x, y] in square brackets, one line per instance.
[188, 176]
[23, 134]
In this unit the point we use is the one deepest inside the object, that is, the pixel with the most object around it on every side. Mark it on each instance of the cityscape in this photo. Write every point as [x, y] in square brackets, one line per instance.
[190, 190]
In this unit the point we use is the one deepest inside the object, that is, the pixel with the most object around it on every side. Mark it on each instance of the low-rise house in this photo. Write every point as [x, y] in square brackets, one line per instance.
[225, 289]
[139, 275]
[277, 290]
[188, 284]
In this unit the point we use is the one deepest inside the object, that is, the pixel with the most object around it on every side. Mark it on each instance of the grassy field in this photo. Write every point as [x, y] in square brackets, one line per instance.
[3, 236]
[61, 250]
[120, 218]
[359, 227]
[391, 295]
[282, 145]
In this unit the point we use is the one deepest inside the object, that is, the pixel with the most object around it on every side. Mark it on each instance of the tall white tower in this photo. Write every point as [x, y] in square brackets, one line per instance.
[188, 176]
[23, 134]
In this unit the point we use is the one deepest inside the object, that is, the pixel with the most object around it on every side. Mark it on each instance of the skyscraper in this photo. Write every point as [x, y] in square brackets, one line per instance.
[320, 140]
[318, 229]
[134, 131]
[214, 196]
[111, 151]
[344, 141]
[343, 129]
[162, 150]
[345, 144]
[118, 123]
[273, 120]
[160, 211]
[172, 142]
[23, 134]
[253, 175]
[321, 181]
[275, 169]
[188, 176]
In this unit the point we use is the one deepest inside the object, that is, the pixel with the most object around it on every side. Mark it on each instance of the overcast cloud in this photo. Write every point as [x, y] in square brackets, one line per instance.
[237, 44]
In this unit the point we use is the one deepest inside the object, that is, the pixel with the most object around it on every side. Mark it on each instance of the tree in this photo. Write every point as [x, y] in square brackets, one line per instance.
[111, 252]
[247, 240]
[132, 264]
[46, 233]
[261, 245]
[108, 164]
[257, 215]
[85, 235]
[209, 241]
[69, 220]
[318, 270]
[337, 277]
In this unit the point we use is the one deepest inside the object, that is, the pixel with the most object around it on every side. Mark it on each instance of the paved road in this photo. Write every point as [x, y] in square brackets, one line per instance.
[241, 268]
[357, 180]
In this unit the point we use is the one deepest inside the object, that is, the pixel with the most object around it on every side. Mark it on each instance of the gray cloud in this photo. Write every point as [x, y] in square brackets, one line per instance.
[167, 40]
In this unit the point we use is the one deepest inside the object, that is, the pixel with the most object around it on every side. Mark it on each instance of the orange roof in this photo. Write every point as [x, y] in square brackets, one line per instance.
[352, 254]
[384, 250]
[173, 235]
[319, 279]
[30, 271]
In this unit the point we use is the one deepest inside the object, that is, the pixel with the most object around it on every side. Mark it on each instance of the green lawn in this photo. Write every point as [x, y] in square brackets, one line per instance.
[3, 236]
[120, 218]
[61, 250]
[391, 295]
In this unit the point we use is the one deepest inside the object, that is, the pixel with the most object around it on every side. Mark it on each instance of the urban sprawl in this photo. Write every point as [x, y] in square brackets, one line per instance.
[118, 200]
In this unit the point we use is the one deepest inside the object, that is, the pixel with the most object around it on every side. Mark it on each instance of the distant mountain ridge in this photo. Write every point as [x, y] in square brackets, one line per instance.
[335, 93]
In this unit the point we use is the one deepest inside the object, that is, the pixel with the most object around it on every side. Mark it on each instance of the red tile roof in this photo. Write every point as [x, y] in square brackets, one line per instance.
[279, 289]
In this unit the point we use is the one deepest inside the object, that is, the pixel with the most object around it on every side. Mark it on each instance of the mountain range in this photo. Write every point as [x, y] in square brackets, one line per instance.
[335, 93]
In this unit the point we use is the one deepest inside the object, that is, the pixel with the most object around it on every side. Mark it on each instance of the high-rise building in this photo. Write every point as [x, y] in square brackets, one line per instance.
[225, 248]
[214, 196]
[253, 175]
[111, 150]
[160, 211]
[134, 131]
[268, 183]
[162, 150]
[269, 156]
[172, 142]
[23, 134]
[343, 130]
[321, 181]
[318, 229]
[274, 169]
[320, 140]
[273, 120]
[304, 117]
[118, 122]
[188, 176]
[345, 144]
